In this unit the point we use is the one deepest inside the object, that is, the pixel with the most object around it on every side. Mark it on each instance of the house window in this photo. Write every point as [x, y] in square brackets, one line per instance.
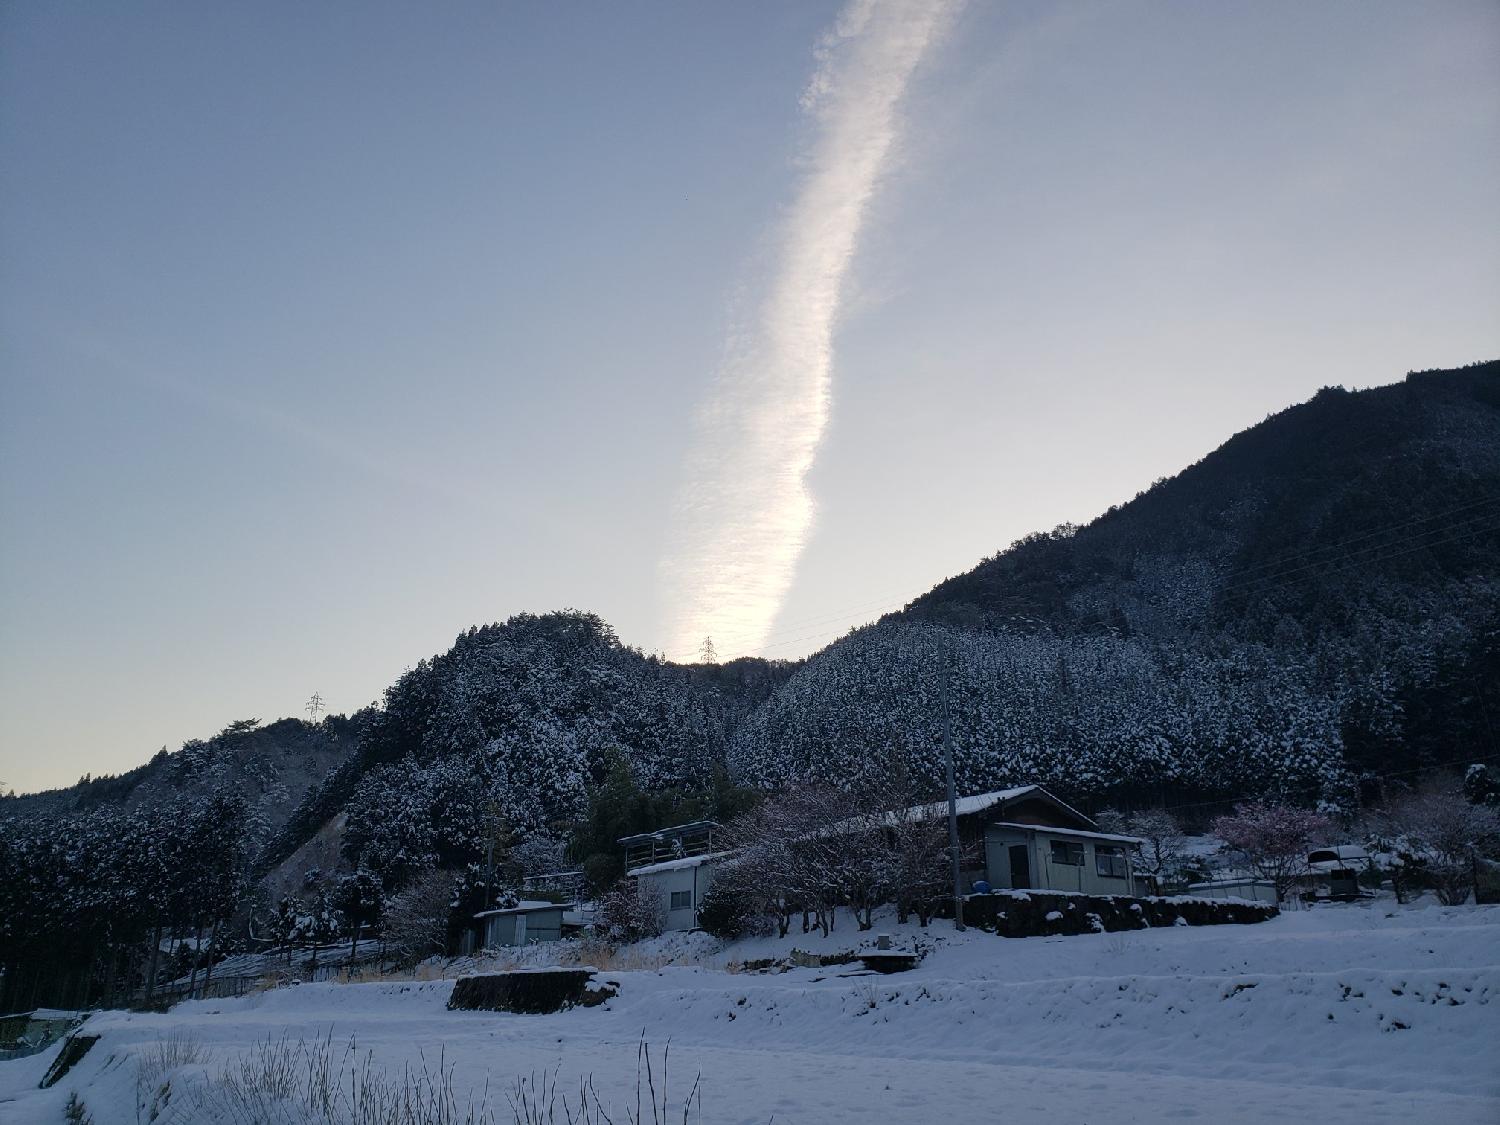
[682, 900]
[1109, 860]
[1067, 853]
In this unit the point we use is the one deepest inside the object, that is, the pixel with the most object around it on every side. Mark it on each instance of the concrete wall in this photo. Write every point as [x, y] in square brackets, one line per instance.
[693, 881]
[1044, 874]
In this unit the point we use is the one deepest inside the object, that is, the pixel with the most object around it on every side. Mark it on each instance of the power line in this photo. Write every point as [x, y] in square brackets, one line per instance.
[833, 615]
[1472, 524]
[1313, 789]
[1355, 554]
[833, 619]
[1275, 580]
[1297, 555]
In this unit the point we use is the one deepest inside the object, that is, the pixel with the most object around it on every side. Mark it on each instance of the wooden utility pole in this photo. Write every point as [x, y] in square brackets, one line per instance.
[953, 848]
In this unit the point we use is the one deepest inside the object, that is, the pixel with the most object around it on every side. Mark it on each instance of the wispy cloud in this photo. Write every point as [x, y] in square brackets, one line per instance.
[744, 512]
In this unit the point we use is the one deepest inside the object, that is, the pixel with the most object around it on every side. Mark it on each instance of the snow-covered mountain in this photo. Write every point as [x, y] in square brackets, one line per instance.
[1315, 602]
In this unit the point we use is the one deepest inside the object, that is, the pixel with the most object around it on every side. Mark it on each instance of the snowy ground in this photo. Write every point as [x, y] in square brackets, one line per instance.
[1358, 1013]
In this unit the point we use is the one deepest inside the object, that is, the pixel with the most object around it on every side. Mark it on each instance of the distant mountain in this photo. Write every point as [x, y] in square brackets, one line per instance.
[1313, 606]
[520, 717]
[1315, 603]
[273, 767]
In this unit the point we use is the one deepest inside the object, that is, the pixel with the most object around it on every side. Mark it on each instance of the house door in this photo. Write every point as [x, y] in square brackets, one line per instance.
[1020, 866]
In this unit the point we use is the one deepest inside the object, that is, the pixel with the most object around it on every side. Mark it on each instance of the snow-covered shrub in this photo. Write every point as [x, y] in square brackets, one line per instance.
[729, 911]
[630, 912]
[1035, 913]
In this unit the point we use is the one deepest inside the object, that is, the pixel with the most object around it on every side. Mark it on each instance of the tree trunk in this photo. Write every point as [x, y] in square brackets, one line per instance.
[151, 966]
[208, 969]
[197, 957]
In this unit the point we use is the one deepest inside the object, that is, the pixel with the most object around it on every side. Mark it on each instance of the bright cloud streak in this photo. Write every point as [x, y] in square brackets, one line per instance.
[744, 512]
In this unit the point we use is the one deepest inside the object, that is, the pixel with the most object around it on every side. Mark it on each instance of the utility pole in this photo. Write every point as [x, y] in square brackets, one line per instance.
[953, 848]
[495, 816]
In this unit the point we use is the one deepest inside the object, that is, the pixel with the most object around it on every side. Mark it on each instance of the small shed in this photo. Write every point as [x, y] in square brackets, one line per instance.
[28, 1033]
[1339, 865]
[526, 923]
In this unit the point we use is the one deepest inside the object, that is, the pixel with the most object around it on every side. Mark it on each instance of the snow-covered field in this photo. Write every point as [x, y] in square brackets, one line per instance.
[1360, 1013]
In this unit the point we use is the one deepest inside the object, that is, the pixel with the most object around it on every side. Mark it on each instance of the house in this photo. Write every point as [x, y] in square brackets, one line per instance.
[675, 864]
[680, 885]
[526, 923]
[1026, 839]
[1012, 839]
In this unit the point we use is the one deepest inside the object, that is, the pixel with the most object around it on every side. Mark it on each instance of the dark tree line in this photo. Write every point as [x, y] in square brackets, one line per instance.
[88, 902]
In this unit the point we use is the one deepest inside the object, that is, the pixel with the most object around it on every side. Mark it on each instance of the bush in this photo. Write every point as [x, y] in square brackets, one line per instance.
[630, 913]
[728, 913]
[1034, 913]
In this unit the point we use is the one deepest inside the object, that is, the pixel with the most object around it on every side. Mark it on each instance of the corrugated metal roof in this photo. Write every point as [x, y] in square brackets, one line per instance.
[677, 864]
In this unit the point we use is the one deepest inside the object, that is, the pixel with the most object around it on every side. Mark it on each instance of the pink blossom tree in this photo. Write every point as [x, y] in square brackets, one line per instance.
[1274, 840]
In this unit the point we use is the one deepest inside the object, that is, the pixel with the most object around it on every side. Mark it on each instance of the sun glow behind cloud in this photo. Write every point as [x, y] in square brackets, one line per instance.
[744, 511]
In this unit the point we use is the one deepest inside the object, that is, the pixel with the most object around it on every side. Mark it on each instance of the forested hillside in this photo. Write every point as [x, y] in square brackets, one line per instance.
[271, 768]
[1311, 612]
[520, 721]
[1315, 602]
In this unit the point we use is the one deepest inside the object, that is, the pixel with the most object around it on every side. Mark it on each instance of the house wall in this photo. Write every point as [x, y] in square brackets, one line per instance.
[1046, 875]
[695, 881]
[541, 925]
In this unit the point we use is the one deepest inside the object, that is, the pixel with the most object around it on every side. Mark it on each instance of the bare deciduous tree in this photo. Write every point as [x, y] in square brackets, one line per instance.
[415, 924]
[630, 912]
[1165, 847]
[1440, 833]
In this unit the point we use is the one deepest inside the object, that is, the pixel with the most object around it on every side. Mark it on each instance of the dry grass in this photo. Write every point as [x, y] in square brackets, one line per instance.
[301, 1082]
[286, 1082]
[539, 1100]
[153, 1084]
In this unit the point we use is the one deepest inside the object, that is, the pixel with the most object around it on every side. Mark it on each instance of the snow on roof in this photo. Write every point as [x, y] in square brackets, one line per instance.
[677, 864]
[964, 806]
[968, 806]
[1336, 857]
[44, 1014]
[977, 803]
[1050, 831]
[525, 906]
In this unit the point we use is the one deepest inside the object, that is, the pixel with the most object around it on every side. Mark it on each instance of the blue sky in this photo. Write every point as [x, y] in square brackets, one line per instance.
[329, 330]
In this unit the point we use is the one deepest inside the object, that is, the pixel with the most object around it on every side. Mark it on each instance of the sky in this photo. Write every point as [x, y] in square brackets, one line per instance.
[327, 331]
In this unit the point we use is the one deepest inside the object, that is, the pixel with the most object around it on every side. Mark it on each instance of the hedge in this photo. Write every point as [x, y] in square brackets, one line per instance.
[1035, 913]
